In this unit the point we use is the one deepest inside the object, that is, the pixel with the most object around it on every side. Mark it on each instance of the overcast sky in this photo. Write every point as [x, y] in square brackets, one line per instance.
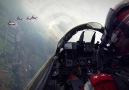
[81, 10]
[52, 12]
[56, 17]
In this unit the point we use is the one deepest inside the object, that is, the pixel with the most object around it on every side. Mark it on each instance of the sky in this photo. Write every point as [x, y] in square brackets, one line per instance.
[56, 17]
[81, 10]
[71, 12]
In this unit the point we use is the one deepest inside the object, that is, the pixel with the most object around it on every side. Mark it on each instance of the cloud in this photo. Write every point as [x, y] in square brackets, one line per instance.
[82, 11]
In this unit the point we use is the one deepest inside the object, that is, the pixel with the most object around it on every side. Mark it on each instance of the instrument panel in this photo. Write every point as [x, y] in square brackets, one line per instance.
[75, 55]
[79, 62]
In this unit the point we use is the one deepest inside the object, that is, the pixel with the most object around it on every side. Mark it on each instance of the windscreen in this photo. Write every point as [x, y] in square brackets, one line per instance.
[87, 36]
[31, 29]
